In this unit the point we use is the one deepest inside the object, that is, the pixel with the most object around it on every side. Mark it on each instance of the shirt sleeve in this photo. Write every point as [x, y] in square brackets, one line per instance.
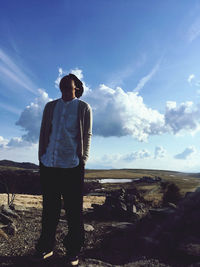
[42, 133]
[88, 123]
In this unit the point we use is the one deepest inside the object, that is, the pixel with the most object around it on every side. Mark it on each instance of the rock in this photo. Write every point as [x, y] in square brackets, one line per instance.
[3, 234]
[149, 179]
[12, 206]
[191, 249]
[134, 209]
[122, 225]
[147, 244]
[20, 208]
[149, 241]
[13, 229]
[162, 212]
[140, 206]
[5, 219]
[89, 262]
[62, 221]
[88, 227]
[6, 209]
[197, 189]
[10, 229]
[170, 204]
[96, 194]
[122, 204]
[2, 225]
[190, 202]
[187, 194]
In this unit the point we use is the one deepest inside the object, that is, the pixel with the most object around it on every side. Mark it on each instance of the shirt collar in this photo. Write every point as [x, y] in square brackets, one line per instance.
[67, 102]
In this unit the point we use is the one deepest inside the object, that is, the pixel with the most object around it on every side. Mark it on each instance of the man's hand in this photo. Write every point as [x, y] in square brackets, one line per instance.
[82, 162]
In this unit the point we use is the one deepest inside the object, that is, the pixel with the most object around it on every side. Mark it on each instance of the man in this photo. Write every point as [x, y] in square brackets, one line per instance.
[64, 145]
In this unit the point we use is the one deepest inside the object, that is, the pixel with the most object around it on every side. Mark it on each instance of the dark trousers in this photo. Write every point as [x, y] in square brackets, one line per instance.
[68, 183]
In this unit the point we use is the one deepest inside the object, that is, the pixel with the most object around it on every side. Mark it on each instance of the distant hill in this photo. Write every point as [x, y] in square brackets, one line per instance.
[24, 165]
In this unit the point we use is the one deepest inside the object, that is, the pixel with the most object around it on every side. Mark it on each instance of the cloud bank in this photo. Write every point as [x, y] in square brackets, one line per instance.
[187, 152]
[117, 113]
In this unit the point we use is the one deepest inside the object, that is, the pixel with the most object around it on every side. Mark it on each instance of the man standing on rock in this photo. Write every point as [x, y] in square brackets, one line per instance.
[64, 145]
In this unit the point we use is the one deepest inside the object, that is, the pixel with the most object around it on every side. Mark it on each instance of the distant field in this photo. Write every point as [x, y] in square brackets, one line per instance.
[32, 201]
[185, 181]
[11, 168]
[135, 173]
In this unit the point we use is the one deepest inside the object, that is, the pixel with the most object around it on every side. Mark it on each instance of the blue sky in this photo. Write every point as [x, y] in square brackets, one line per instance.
[138, 60]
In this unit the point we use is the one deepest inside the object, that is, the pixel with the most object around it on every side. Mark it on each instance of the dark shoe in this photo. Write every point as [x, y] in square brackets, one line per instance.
[41, 256]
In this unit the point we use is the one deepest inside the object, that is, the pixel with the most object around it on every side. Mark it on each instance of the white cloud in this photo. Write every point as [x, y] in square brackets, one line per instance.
[194, 30]
[18, 142]
[197, 83]
[20, 153]
[187, 152]
[160, 152]
[117, 158]
[10, 108]
[110, 158]
[117, 78]
[120, 113]
[30, 120]
[146, 78]
[192, 81]
[117, 113]
[11, 72]
[182, 118]
[3, 142]
[60, 74]
[141, 154]
[191, 76]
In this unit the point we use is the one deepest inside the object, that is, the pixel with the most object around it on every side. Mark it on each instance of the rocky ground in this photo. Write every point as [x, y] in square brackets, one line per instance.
[15, 248]
[122, 229]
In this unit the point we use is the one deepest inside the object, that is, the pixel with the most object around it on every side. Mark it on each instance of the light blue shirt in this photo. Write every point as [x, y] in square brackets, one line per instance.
[62, 148]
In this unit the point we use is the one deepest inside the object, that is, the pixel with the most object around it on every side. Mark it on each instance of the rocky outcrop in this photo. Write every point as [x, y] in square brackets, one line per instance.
[148, 179]
[7, 225]
[136, 230]
[125, 204]
[173, 229]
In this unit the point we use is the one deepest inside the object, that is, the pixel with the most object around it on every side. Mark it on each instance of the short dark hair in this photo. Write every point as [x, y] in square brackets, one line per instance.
[77, 82]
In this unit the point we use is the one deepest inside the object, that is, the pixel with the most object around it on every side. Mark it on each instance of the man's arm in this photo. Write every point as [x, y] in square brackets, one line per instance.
[42, 133]
[88, 122]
